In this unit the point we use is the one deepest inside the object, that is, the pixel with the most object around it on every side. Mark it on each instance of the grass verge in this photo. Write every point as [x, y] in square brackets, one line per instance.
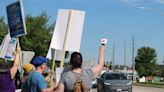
[148, 84]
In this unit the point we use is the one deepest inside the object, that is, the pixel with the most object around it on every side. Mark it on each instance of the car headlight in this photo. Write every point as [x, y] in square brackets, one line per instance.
[107, 83]
[129, 83]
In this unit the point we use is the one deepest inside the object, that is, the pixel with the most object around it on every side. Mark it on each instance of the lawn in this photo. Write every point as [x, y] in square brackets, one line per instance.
[149, 84]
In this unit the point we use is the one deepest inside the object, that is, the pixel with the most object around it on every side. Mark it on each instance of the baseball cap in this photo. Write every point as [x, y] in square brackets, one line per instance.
[39, 60]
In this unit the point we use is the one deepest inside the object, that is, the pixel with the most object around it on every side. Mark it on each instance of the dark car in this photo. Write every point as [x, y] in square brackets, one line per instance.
[113, 82]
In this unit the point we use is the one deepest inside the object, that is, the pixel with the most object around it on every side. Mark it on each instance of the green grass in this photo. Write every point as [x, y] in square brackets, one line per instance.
[148, 84]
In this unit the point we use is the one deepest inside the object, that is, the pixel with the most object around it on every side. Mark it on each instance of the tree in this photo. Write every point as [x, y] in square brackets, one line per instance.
[116, 67]
[145, 61]
[39, 33]
[109, 65]
[3, 28]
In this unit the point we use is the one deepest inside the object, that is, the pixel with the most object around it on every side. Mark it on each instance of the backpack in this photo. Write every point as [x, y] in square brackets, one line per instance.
[79, 86]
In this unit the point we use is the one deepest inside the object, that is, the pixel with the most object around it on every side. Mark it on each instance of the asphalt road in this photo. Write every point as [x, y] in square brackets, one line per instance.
[143, 89]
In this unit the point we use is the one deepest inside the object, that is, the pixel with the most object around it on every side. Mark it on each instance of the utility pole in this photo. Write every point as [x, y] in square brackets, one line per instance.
[133, 63]
[125, 53]
[113, 57]
[163, 61]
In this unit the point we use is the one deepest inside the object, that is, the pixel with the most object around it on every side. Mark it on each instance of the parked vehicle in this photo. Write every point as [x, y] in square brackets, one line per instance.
[113, 82]
[94, 82]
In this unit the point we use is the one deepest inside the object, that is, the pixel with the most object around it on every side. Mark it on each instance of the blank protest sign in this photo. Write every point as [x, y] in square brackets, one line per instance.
[75, 20]
[75, 32]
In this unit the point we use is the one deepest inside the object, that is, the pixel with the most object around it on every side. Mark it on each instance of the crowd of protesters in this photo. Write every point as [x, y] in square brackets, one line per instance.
[34, 80]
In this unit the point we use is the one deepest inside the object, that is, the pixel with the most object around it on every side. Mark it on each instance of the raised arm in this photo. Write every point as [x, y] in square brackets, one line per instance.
[14, 68]
[99, 67]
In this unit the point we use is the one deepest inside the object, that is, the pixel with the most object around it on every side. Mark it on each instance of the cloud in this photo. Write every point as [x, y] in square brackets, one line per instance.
[128, 1]
[143, 8]
[159, 1]
[145, 5]
[38, 0]
[151, 10]
[142, 1]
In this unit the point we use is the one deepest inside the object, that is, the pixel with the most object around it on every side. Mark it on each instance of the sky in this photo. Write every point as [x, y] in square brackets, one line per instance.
[115, 20]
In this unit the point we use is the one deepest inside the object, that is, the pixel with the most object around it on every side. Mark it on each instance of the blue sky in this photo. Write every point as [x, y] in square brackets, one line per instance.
[114, 19]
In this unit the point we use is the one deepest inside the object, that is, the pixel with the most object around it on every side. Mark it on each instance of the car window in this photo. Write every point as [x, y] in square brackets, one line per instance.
[115, 77]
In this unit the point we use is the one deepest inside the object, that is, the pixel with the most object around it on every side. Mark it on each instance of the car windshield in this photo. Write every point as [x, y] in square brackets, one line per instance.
[115, 77]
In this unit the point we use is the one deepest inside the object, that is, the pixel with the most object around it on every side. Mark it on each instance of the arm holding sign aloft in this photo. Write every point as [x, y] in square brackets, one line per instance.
[14, 68]
[99, 67]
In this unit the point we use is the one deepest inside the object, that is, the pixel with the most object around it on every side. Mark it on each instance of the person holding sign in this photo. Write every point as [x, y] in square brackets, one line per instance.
[68, 79]
[36, 81]
[7, 74]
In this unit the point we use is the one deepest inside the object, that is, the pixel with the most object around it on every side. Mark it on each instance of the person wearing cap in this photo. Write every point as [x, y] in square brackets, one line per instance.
[8, 73]
[35, 81]
[28, 68]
